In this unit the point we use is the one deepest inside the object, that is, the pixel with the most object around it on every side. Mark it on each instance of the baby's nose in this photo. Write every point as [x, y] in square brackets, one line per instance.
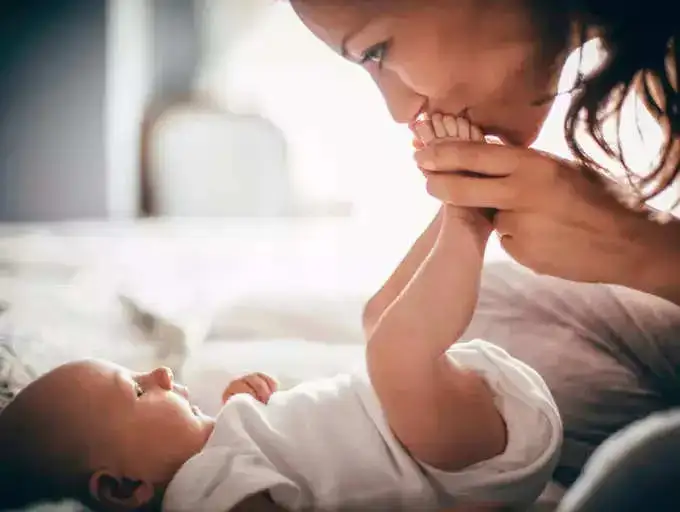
[163, 377]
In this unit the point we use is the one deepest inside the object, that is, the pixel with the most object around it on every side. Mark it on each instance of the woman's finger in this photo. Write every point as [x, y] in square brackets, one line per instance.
[479, 157]
[476, 192]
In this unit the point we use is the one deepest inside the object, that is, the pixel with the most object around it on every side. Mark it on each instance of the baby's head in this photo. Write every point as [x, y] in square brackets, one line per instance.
[98, 433]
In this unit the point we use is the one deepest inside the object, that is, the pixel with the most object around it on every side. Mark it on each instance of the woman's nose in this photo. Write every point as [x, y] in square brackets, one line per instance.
[402, 102]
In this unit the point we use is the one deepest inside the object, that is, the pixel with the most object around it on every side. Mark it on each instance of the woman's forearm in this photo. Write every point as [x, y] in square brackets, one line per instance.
[401, 276]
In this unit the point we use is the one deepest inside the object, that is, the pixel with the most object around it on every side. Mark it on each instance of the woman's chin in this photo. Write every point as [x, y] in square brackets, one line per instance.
[513, 138]
[518, 128]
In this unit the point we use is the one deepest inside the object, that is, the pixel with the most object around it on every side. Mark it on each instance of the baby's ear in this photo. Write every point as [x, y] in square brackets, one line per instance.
[120, 493]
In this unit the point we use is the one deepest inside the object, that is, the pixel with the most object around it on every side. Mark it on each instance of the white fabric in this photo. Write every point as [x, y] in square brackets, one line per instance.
[326, 444]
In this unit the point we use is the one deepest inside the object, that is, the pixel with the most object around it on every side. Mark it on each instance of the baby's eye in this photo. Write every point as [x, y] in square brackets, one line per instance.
[375, 54]
[138, 390]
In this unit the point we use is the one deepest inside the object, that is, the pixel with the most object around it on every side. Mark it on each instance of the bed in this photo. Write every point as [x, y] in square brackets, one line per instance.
[210, 299]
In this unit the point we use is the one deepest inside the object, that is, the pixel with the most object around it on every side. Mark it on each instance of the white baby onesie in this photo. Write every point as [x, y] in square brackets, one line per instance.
[325, 445]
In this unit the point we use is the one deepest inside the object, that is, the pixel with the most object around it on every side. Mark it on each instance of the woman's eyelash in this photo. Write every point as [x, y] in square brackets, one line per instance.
[374, 54]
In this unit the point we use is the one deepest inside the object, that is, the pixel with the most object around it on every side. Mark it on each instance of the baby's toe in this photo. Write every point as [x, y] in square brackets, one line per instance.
[464, 128]
[424, 131]
[451, 126]
[476, 133]
[461, 128]
[438, 126]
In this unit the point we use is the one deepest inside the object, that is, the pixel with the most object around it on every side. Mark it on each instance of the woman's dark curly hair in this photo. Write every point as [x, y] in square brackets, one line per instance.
[642, 56]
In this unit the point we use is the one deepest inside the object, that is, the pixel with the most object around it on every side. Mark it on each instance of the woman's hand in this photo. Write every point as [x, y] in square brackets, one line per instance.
[555, 217]
[258, 385]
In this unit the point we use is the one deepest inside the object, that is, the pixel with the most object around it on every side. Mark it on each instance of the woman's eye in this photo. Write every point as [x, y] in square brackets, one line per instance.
[375, 54]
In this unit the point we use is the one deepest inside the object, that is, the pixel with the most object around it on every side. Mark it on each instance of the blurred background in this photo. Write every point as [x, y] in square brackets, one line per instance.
[199, 183]
[209, 108]
[180, 178]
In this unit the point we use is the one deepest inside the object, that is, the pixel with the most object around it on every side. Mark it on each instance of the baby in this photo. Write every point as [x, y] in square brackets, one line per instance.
[424, 424]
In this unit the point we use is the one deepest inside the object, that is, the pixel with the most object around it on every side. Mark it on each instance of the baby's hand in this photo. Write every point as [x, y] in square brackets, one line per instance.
[258, 385]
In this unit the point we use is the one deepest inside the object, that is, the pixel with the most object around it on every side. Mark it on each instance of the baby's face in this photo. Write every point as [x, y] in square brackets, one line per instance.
[137, 429]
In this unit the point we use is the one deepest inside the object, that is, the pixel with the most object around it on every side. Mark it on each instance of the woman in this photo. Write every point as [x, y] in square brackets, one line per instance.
[497, 62]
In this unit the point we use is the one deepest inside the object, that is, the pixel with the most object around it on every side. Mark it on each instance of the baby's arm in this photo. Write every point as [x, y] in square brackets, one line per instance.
[443, 414]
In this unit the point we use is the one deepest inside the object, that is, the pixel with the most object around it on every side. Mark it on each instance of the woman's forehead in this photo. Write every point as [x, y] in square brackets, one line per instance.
[334, 20]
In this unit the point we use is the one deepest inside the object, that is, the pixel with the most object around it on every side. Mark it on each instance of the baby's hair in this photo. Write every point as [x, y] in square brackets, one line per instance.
[28, 475]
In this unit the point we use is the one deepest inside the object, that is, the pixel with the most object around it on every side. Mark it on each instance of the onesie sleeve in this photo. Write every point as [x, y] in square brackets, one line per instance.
[534, 430]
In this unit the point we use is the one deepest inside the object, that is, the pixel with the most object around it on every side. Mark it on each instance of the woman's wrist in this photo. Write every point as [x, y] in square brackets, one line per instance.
[458, 222]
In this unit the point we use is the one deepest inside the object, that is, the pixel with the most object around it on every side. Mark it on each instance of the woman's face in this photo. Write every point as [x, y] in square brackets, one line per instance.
[487, 59]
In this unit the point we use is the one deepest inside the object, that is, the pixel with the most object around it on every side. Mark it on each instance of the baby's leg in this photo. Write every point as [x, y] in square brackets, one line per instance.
[443, 414]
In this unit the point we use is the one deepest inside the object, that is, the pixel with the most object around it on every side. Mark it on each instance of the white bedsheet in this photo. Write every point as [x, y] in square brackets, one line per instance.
[184, 281]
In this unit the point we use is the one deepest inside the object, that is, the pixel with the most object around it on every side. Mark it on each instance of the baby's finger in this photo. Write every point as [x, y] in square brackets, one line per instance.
[259, 387]
[438, 126]
[271, 382]
[235, 388]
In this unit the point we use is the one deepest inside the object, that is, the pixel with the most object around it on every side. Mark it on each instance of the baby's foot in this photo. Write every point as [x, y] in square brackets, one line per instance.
[445, 127]
[440, 126]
